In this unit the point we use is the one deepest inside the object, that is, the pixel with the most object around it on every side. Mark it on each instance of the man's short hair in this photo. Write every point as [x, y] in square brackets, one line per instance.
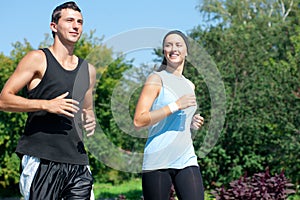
[56, 14]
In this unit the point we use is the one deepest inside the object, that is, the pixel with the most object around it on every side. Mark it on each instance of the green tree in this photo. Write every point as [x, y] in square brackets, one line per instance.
[255, 46]
[11, 123]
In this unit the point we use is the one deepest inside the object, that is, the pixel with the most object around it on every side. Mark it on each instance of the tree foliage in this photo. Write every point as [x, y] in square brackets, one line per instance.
[255, 46]
[242, 12]
[11, 124]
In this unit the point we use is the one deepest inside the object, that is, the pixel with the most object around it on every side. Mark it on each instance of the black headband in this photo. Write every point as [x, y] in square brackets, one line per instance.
[185, 39]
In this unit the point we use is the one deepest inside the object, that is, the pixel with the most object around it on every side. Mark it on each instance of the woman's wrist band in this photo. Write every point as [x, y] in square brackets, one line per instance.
[173, 107]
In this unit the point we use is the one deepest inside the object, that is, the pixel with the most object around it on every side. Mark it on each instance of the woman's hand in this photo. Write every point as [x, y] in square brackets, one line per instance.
[197, 122]
[186, 101]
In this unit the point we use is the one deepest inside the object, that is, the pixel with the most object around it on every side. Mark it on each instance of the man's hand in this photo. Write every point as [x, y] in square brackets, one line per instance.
[61, 105]
[89, 121]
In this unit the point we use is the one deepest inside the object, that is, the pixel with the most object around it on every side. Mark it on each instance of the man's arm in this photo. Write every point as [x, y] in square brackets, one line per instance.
[28, 73]
[89, 118]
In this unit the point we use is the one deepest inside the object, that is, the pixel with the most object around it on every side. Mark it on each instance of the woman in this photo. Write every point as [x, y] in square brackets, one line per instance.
[167, 105]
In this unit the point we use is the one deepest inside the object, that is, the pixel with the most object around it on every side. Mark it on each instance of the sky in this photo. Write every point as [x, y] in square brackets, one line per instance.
[108, 18]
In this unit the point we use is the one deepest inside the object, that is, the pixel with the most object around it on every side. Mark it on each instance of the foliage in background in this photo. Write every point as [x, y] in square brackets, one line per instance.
[256, 47]
[11, 124]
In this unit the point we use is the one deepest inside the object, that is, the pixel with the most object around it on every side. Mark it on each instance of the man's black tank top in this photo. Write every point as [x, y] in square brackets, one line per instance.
[51, 136]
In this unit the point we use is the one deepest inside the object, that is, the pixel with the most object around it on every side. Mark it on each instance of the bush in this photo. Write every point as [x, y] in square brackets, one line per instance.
[261, 186]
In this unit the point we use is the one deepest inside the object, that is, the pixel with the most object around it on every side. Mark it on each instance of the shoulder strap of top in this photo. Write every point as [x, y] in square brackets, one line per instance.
[46, 51]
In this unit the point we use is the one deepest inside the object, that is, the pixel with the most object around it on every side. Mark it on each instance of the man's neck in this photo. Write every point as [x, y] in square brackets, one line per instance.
[64, 55]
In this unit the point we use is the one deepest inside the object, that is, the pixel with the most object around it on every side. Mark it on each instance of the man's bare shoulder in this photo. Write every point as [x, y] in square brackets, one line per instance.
[34, 60]
[37, 55]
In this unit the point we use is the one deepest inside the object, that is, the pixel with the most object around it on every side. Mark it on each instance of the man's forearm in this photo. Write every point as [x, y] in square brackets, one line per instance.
[13, 103]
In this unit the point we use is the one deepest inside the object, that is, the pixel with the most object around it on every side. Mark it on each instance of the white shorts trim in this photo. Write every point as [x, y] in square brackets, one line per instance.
[30, 165]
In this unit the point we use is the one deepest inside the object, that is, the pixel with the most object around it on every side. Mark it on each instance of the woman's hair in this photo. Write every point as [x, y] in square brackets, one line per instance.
[56, 14]
[163, 64]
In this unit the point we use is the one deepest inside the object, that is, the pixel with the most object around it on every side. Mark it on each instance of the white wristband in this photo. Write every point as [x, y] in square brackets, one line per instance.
[173, 107]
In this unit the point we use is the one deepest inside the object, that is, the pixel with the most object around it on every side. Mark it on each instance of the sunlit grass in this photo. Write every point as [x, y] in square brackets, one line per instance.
[132, 190]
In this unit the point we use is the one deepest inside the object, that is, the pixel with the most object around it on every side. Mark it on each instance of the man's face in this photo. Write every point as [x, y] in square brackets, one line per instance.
[69, 26]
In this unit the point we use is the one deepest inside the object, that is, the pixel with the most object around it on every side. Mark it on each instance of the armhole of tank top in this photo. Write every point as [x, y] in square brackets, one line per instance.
[161, 92]
[86, 64]
[190, 83]
[38, 85]
[80, 62]
[83, 66]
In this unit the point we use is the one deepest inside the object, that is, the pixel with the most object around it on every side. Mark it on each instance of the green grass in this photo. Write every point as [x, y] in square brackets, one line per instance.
[132, 190]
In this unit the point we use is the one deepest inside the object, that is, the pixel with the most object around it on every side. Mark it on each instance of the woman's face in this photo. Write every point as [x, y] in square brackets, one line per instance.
[175, 49]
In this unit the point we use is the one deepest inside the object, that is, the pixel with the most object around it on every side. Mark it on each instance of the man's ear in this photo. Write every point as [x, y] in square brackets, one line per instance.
[53, 27]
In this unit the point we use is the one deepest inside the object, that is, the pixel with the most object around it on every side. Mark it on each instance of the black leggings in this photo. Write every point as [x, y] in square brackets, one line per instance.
[187, 183]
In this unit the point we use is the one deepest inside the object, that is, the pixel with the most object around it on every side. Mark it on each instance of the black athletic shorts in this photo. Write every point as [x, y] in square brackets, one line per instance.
[56, 181]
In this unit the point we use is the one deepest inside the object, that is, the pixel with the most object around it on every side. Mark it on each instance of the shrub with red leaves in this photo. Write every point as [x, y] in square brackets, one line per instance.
[261, 186]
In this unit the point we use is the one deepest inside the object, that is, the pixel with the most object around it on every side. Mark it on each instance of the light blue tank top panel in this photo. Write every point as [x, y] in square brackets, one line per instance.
[169, 143]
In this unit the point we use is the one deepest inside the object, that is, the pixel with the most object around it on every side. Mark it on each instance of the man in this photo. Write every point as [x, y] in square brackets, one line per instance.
[60, 95]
